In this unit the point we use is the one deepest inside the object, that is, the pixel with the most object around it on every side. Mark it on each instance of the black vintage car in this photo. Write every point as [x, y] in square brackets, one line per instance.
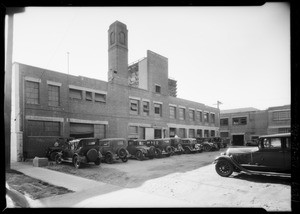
[272, 156]
[210, 143]
[80, 151]
[138, 148]
[162, 147]
[60, 144]
[176, 144]
[114, 149]
[190, 145]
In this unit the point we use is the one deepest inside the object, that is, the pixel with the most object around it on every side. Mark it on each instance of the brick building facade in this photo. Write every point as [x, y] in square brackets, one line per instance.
[134, 102]
[242, 125]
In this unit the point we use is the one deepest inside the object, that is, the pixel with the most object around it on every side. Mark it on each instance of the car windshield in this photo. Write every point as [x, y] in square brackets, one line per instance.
[140, 143]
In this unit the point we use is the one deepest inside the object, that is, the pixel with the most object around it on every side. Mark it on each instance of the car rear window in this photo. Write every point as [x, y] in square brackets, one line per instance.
[120, 143]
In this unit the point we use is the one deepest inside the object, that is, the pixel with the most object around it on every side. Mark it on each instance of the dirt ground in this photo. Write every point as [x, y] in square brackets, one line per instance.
[33, 188]
[191, 177]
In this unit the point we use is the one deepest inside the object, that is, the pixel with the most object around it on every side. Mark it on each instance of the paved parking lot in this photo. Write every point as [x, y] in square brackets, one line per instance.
[191, 178]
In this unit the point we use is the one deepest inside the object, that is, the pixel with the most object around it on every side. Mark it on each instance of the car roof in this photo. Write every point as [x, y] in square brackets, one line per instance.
[105, 139]
[188, 138]
[276, 135]
[88, 138]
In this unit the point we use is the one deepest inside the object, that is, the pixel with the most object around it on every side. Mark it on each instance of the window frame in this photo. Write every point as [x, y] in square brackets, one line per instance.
[29, 90]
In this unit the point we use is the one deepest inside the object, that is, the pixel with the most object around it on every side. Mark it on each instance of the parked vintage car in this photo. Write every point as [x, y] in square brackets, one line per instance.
[272, 156]
[59, 144]
[162, 147]
[210, 144]
[138, 148]
[176, 145]
[80, 151]
[190, 145]
[114, 149]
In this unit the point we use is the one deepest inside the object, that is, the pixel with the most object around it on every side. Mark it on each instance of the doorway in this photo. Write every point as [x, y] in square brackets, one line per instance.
[238, 140]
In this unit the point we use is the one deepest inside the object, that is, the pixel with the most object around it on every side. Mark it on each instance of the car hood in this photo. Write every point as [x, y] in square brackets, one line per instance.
[239, 150]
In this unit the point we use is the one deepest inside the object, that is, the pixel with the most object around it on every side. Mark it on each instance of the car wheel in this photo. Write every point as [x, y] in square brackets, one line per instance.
[207, 147]
[125, 159]
[98, 161]
[224, 168]
[58, 158]
[139, 155]
[76, 162]
[122, 153]
[169, 151]
[186, 150]
[108, 158]
[158, 153]
[52, 156]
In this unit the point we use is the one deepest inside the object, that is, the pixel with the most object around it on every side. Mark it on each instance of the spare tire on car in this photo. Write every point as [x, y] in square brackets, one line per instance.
[92, 155]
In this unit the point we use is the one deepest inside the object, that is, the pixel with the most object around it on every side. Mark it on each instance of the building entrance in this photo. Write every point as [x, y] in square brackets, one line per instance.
[157, 133]
[237, 140]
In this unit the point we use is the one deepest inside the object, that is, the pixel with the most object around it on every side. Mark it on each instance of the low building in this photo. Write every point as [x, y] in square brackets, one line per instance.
[137, 101]
[245, 124]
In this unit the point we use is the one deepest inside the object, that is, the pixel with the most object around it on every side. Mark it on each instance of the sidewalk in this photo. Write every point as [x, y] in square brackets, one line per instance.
[90, 193]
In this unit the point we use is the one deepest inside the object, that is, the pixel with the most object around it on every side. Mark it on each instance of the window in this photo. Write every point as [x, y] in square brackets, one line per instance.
[212, 118]
[272, 143]
[88, 96]
[134, 106]
[239, 121]
[53, 95]
[199, 116]
[100, 97]
[206, 133]
[75, 94]
[284, 130]
[281, 115]
[212, 133]
[181, 132]
[181, 114]
[157, 109]
[32, 92]
[224, 122]
[157, 89]
[199, 132]
[133, 129]
[206, 117]
[192, 114]
[145, 108]
[172, 132]
[224, 134]
[43, 128]
[192, 133]
[172, 112]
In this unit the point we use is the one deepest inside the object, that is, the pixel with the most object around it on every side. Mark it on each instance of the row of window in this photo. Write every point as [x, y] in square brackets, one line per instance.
[281, 115]
[32, 94]
[193, 115]
[235, 121]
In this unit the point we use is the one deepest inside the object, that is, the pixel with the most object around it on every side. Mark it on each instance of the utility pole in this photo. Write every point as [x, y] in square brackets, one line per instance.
[218, 106]
[10, 11]
[218, 103]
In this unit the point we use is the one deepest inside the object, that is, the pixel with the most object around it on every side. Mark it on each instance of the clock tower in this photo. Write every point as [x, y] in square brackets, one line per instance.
[118, 53]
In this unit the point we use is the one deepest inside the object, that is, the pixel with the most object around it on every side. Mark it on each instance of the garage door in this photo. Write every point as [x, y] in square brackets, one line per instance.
[81, 130]
[237, 140]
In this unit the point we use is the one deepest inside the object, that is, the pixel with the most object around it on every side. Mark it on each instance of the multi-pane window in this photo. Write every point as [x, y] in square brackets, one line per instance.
[75, 94]
[199, 132]
[172, 112]
[212, 133]
[53, 95]
[146, 108]
[239, 121]
[281, 115]
[284, 130]
[206, 133]
[134, 106]
[192, 133]
[157, 109]
[181, 114]
[206, 114]
[133, 129]
[157, 89]
[224, 122]
[43, 128]
[88, 96]
[32, 92]
[212, 118]
[199, 116]
[100, 97]
[192, 114]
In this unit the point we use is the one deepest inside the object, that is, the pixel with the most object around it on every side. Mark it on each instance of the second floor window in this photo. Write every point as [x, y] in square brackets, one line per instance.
[192, 115]
[75, 94]
[239, 121]
[181, 114]
[53, 95]
[199, 116]
[32, 92]
[224, 122]
[157, 89]
[157, 109]
[212, 117]
[100, 97]
[281, 115]
[172, 112]
[134, 107]
[206, 117]
[88, 96]
[145, 108]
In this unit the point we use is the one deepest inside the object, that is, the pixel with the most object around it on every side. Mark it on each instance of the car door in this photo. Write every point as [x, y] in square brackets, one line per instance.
[271, 156]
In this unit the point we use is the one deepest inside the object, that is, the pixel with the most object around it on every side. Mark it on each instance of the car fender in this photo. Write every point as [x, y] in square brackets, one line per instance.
[229, 159]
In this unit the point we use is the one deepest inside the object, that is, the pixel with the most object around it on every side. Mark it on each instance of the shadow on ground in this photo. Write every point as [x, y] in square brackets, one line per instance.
[263, 179]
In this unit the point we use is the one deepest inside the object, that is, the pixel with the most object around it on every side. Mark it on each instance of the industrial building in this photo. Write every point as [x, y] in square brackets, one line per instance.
[138, 101]
[245, 124]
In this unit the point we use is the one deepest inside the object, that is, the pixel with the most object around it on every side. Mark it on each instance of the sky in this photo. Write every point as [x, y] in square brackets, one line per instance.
[237, 55]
